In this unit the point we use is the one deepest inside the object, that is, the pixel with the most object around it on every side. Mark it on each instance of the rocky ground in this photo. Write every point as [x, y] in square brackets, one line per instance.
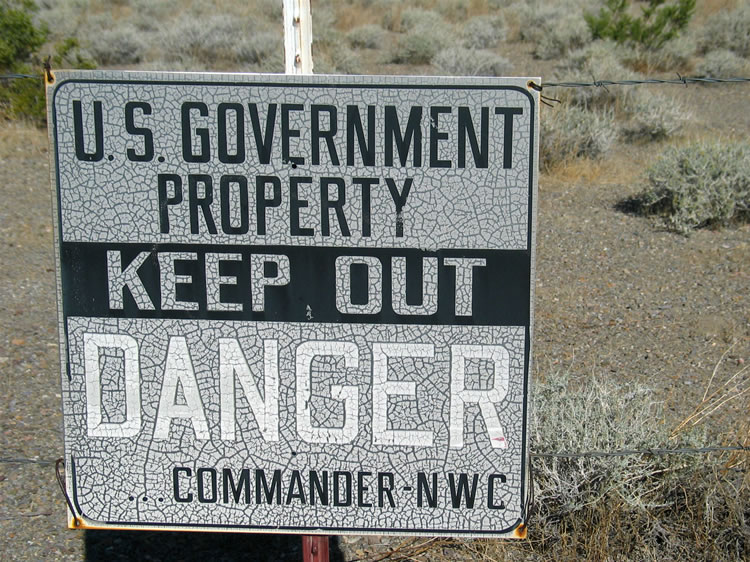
[615, 294]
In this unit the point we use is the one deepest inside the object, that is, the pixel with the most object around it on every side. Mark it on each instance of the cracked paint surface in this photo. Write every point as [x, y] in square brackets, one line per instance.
[413, 410]
[174, 417]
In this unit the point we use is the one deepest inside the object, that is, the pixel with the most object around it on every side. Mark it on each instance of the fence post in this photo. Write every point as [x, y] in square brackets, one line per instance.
[298, 60]
[297, 37]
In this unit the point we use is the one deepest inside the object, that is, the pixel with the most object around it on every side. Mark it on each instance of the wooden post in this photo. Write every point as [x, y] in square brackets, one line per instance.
[298, 60]
[297, 37]
[314, 548]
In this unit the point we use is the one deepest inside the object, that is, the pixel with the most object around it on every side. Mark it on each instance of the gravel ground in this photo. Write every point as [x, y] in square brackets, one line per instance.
[615, 294]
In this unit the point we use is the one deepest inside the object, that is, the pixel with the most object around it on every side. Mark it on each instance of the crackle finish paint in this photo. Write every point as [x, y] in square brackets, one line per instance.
[295, 303]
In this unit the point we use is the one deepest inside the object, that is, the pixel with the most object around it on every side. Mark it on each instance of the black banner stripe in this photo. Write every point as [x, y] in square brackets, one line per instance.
[501, 288]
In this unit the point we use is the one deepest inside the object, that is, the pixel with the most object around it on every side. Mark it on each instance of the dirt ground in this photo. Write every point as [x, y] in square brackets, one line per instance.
[615, 294]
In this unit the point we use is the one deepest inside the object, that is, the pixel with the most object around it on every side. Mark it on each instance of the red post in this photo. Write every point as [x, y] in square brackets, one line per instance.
[314, 548]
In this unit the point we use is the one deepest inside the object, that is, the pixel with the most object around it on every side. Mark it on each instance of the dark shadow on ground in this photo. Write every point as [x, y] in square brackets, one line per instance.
[157, 546]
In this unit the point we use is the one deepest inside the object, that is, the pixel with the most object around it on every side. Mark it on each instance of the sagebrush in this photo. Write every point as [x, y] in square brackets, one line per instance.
[700, 185]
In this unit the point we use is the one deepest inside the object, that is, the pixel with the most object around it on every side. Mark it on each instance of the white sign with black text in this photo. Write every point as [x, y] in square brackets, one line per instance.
[295, 303]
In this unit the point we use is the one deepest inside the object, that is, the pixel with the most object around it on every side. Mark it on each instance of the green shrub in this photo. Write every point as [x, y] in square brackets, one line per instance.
[573, 132]
[702, 185]
[657, 24]
[19, 37]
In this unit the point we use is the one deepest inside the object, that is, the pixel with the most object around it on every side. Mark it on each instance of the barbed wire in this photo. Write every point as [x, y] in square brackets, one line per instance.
[18, 76]
[684, 80]
[634, 452]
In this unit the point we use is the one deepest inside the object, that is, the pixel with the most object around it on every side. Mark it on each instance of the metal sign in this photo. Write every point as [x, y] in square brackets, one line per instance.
[295, 303]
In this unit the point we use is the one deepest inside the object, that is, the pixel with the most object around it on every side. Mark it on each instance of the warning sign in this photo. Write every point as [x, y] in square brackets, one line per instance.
[295, 304]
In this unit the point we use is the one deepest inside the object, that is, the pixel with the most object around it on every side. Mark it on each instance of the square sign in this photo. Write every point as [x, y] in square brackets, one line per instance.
[295, 304]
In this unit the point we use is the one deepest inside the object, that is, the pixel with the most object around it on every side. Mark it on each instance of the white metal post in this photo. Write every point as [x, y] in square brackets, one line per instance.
[298, 60]
[297, 37]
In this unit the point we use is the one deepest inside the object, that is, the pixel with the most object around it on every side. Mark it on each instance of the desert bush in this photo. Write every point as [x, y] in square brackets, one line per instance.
[572, 132]
[598, 61]
[554, 28]
[721, 64]
[701, 185]
[419, 18]
[570, 32]
[120, 45]
[458, 61]
[258, 47]
[454, 10]
[338, 59]
[217, 41]
[419, 46]
[658, 23]
[483, 32]
[674, 55]
[645, 507]
[728, 30]
[19, 36]
[204, 41]
[368, 36]
[652, 117]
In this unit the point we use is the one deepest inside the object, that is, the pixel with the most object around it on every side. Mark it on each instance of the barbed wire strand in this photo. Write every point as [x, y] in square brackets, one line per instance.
[634, 452]
[18, 76]
[684, 80]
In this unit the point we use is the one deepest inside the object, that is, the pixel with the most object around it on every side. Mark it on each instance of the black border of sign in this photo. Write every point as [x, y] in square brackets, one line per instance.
[527, 344]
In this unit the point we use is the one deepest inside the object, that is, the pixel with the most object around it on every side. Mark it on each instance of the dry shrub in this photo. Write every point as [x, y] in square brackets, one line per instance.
[537, 20]
[598, 61]
[458, 61]
[673, 56]
[483, 32]
[218, 41]
[574, 132]
[722, 64]
[567, 34]
[369, 36]
[652, 117]
[119, 46]
[627, 507]
[728, 30]
[419, 46]
[337, 58]
[701, 185]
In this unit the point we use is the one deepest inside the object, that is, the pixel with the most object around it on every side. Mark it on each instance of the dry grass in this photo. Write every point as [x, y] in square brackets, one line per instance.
[21, 140]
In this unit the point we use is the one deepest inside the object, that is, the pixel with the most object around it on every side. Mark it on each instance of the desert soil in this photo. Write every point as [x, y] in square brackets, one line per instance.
[616, 295]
